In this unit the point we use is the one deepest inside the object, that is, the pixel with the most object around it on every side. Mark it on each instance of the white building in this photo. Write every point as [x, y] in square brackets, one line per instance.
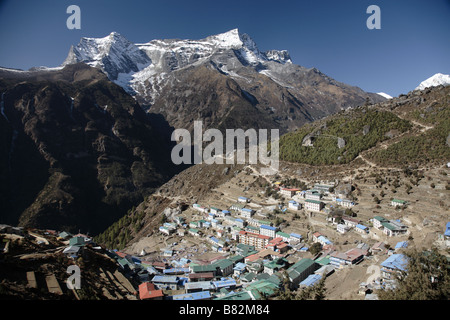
[247, 213]
[266, 230]
[361, 229]
[346, 203]
[313, 205]
[289, 192]
[214, 210]
[200, 208]
[398, 203]
[294, 205]
[390, 227]
[313, 195]
[394, 228]
[243, 200]
[165, 230]
[342, 228]
[350, 222]
[378, 222]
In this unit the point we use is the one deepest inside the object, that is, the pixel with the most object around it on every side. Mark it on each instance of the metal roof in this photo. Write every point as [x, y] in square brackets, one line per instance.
[396, 261]
[267, 227]
[193, 296]
[165, 279]
[313, 201]
[401, 244]
[224, 283]
[203, 285]
[311, 280]
[447, 231]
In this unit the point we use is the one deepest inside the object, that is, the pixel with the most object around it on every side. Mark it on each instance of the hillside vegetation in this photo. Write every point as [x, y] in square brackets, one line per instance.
[432, 143]
[340, 138]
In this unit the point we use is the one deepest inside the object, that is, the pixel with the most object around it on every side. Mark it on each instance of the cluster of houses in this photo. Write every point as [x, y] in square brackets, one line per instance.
[249, 273]
[314, 202]
[312, 198]
[260, 253]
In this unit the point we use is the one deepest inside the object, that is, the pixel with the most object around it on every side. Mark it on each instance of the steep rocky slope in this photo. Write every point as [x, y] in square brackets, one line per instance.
[76, 150]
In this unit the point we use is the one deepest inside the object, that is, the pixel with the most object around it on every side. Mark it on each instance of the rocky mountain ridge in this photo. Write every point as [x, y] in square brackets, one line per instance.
[164, 76]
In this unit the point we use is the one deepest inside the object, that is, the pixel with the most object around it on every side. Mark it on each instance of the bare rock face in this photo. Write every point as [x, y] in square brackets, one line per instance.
[341, 143]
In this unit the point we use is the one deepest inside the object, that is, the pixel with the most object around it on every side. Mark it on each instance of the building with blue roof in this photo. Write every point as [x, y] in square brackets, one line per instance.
[310, 280]
[361, 228]
[401, 245]
[247, 213]
[394, 264]
[202, 295]
[295, 237]
[166, 282]
[227, 283]
[239, 222]
[324, 240]
[294, 205]
[239, 269]
[447, 230]
[266, 230]
[243, 199]
[198, 286]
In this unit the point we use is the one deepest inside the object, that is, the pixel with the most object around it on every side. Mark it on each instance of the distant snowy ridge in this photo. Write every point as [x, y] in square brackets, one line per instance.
[136, 66]
[384, 95]
[434, 81]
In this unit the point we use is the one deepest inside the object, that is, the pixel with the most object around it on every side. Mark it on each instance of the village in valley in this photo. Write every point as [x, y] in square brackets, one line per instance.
[249, 245]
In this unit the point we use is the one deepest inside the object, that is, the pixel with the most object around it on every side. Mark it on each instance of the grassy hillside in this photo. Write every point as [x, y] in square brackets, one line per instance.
[340, 138]
[431, 143]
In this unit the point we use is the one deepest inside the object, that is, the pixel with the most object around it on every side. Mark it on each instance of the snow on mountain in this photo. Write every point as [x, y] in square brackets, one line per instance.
[384, 95]
[113, 54]
[436, 80]
[143, 67]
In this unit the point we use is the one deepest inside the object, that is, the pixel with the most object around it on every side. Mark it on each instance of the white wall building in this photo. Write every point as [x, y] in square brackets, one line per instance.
[266, 230]
[313, 205]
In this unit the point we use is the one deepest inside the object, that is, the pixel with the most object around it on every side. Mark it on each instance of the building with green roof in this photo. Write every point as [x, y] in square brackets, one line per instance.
[237, 296]
[225, 266]
[262, 289]
[300, 270]
[398, 202]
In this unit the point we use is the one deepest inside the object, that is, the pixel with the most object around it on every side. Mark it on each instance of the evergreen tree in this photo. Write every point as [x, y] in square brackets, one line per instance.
[427, 278]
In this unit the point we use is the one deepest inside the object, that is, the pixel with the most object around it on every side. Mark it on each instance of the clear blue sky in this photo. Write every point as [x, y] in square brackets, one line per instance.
[412, 45]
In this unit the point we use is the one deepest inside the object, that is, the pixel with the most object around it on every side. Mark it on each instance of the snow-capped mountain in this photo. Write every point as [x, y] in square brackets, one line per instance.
[434, 81]
[131, 65]
[384, 95]
[114, 54]
[187, 79]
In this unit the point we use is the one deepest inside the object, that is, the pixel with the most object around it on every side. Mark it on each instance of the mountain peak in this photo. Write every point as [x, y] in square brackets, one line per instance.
[434, 81]
[231, 38]
[113, 53]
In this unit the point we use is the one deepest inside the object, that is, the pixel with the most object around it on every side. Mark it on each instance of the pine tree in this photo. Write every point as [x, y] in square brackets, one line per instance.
[427, 278]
